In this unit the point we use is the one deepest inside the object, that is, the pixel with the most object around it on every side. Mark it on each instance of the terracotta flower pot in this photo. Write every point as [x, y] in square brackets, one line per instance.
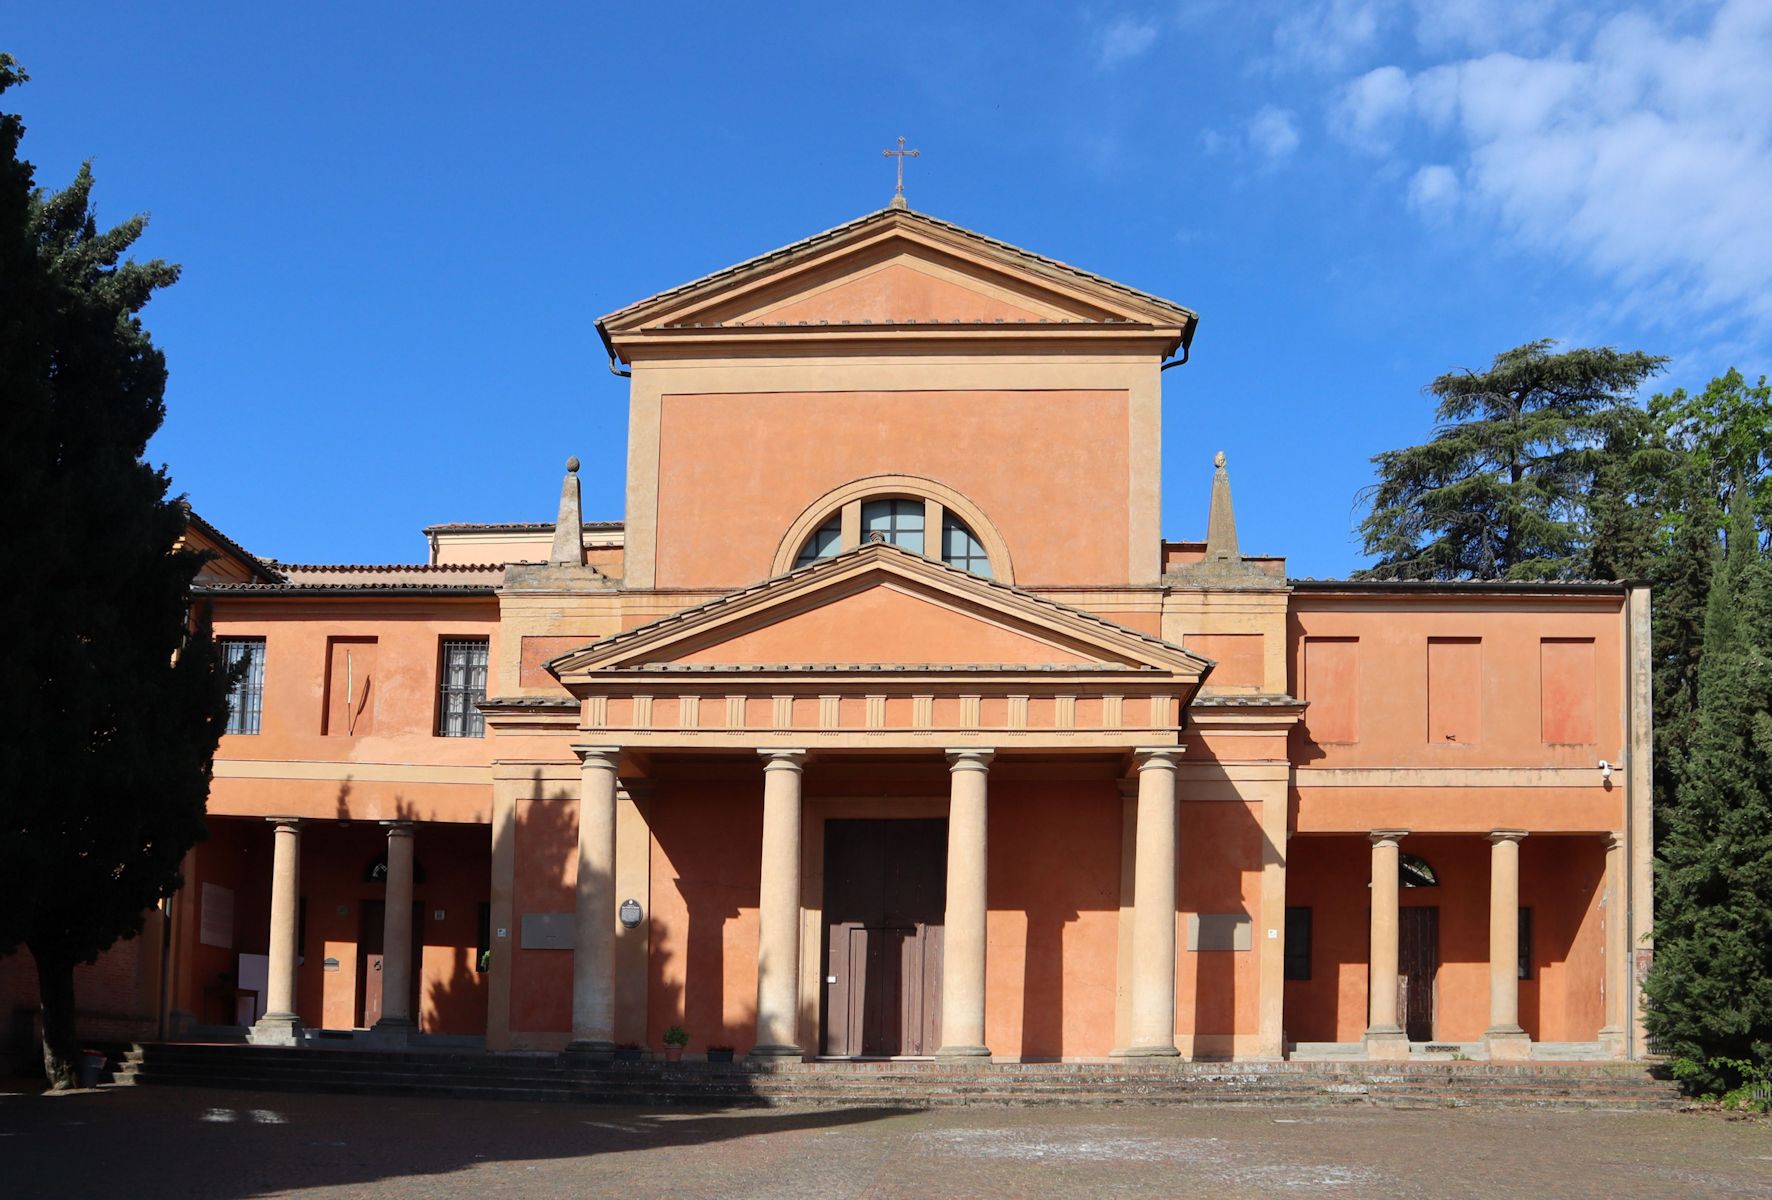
[673, 1053]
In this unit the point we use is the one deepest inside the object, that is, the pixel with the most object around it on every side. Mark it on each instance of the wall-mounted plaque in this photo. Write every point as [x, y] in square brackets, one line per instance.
[630, 914]
[546, 931]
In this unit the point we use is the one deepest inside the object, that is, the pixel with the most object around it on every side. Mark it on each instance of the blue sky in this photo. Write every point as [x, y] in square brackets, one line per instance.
[398, 223]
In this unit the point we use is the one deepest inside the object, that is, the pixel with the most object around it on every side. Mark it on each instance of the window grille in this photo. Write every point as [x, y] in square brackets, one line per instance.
[898, 521]
[824, 542]
[463, 686]
[959, 548]
[246, 698]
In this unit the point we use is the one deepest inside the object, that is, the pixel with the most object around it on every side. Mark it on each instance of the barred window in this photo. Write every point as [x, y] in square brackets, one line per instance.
[246, 699]
[463, 686]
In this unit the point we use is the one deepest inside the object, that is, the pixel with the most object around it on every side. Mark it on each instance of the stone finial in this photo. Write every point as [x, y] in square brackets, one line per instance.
[1221, 522]
[569, 540]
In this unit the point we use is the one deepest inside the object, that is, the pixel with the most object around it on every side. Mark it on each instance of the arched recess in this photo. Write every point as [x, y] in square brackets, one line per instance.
[847, 501]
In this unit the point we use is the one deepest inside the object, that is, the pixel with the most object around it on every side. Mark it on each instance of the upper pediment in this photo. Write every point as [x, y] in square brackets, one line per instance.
[897, 272]
[879, 608]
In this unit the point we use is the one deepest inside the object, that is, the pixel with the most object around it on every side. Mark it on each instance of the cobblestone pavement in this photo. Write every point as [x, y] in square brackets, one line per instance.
[189, 1142]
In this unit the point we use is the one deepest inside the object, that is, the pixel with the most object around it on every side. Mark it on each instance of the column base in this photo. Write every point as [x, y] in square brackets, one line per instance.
[275, 1029]
[963, 1052]
[391, 1031]
[1507, 1043]
[1387, 1043]
[776, 1052]
[583, 1048]
[1156, 1051]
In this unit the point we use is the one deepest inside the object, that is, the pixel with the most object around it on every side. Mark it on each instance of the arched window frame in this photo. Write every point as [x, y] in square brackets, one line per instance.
[939, 500]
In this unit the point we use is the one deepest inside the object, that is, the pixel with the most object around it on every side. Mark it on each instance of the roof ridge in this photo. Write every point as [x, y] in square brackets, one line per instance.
[836, 231]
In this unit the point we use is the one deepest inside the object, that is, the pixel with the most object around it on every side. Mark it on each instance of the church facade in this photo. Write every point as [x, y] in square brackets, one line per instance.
[887, 723]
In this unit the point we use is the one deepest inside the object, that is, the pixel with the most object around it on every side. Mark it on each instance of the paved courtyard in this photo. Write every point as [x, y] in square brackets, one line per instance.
[177, 1142]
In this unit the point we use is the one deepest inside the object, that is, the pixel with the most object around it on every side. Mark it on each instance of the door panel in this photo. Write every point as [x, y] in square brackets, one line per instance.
[1418, 961]
[884, 898]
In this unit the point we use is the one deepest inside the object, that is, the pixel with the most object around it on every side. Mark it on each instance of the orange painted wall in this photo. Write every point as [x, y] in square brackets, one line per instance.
[546, 859]
[707, 842]
[1390, 711]
[1560, 880]
[1053, 881]
[1218, 864]
[721, 515]
[404, 690]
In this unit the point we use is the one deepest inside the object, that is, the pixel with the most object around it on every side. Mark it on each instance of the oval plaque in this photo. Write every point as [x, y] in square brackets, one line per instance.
[630, 913]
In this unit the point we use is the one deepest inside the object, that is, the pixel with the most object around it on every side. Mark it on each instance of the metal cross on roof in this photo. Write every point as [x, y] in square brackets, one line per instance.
[900, 154]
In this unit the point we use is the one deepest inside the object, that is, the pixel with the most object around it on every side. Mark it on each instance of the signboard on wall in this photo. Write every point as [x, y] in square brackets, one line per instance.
[215, 921]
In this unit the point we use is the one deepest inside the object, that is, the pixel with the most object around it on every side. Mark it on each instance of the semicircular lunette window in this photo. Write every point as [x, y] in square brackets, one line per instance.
[901, 522]
[1415, 872]
[961, 548]
[824, 542]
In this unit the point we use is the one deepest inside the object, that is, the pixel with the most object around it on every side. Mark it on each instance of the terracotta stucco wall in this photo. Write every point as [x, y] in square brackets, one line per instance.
[722, 514]
[1370, 691]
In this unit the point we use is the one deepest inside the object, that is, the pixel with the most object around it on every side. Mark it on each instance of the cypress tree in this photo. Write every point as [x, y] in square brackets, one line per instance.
[1710, 988]
[112, 699]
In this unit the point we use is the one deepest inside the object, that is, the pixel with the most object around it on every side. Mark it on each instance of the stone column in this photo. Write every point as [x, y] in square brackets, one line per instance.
[1504, 1037]
[964, 932]
[1153, 908]
[1618, 970]
[396, 934]
[280, 1026]
[593, 940]
[778, 908]
[1385, 1038]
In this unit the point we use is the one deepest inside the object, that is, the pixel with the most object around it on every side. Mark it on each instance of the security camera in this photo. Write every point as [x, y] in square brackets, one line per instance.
[1605, 771]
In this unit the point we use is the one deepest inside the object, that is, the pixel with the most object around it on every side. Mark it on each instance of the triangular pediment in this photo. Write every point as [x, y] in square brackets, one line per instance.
[881, 608]
[896, 270]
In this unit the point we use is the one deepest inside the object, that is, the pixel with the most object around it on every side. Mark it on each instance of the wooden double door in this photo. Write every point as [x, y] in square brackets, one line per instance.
[885, 893]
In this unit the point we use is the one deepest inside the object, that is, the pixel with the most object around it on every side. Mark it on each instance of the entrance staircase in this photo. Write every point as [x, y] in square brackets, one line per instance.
[911, 1085]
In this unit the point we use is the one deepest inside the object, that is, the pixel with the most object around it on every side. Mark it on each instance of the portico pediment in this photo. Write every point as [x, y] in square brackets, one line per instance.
[880, 609]
[895, 272]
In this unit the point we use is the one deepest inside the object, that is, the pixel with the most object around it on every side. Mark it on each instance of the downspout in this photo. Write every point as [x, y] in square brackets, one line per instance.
[1187, 342]
[609, 346]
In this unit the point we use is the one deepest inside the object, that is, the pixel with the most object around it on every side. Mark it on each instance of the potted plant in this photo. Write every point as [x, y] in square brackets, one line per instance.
[675, 1038]
[719, 1054]
[629, 1052]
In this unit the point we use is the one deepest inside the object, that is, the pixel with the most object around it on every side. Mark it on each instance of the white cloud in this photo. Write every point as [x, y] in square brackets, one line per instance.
[1123, 39]
[1330, 36]
[1373, 107]
[1273, 133]
[1641, 152]
[1434, 190]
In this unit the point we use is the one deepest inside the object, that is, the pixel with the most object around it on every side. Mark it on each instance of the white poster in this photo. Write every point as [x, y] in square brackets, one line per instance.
[215, 922]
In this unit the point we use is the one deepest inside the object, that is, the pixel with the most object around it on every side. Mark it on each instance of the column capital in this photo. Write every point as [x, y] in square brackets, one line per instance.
[398, 828]
[285, 822]
[1160, 757]
[782, 760]
[598, 756]
[1387, 837]
[1506, 835]
[970, 760]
